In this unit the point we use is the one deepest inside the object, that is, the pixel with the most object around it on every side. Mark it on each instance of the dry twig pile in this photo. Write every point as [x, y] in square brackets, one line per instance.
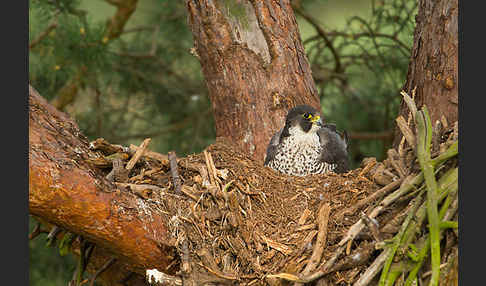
[236, 222]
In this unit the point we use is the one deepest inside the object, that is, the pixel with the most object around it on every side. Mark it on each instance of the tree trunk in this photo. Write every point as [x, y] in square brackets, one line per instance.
[433, 67]
[254, 65]
[66, 191]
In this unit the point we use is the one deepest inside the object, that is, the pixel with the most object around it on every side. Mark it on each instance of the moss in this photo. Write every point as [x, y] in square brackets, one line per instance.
[236, 10]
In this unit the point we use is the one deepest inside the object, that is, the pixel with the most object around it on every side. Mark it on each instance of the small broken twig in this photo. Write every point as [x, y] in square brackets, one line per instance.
[174, 172]
[102, 269]
[381, 192]
[323, 219]
[42, 35]
[138, 154]
[406, 131]
[373, 269]
[36, 231]
[372, 226]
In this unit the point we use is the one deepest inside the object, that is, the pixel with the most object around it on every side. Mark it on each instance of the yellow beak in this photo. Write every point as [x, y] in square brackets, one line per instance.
[317, 120]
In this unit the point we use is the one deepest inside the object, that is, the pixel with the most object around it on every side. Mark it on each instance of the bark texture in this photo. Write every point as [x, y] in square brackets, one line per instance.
[433, 67]
[254, 65]
[66, 191]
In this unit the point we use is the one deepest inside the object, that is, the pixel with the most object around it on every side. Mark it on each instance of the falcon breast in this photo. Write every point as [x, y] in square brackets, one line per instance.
[306, 146]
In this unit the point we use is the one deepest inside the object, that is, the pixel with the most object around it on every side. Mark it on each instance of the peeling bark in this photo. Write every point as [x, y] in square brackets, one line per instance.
[66, 191]
[254, 65]
[433, 67]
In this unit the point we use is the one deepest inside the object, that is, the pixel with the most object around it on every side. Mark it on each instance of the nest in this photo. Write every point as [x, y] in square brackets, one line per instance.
[234, 221]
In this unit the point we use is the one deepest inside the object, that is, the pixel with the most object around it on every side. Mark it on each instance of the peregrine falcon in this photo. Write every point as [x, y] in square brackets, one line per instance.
[306, 146]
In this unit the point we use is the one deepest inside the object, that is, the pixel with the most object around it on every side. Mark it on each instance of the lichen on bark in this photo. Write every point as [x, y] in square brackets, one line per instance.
[245, 29]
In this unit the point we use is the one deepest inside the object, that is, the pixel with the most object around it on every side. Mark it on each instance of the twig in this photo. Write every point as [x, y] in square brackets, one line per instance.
[81, 265]
[102, 269]
[208, 166]
[188, 193]
[448, 186]
[322, 33]
[138, 154]
[106, 148]
[356, 228]
[428, 273]
[368, 167]
[381, 192]
[372, 226]
[51, 237]
[436, 133]
[358, 257]
[185, 263]
[425, 248]
[164, 159]
[399, 238]
[114, 27]
[396, 163]
[42, 35]
[322, 219]
[304, 216]
[373, 269]
[449, 153]
[176, 180]
[218, 273]
[118, 173]
[410, 103]
[325, 268]
[213, 176]
[140, 187]
[406, 131]
[35, 232]
[276, 245]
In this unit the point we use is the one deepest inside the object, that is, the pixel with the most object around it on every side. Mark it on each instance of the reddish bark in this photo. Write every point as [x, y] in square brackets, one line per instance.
[254, 65]
[433, 67]
[66, 191]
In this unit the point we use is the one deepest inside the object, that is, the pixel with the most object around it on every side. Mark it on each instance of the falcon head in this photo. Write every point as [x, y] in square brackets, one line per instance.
[302, 119]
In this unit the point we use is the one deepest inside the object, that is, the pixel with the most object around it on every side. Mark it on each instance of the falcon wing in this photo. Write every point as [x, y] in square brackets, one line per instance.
[334, 147]
[272, 147]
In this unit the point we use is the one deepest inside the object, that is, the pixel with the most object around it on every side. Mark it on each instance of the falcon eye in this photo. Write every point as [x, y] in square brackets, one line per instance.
[307, 115]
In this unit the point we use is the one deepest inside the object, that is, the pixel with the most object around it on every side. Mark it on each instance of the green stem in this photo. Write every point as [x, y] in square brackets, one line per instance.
[398, 239]
[448, 224]
[425, 249]
[421, 258]
[423, 153]
[449, 153]
[392, 276]
[447, 184]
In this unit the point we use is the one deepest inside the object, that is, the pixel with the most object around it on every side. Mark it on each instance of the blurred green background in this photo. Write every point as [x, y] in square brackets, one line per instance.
[146, 83]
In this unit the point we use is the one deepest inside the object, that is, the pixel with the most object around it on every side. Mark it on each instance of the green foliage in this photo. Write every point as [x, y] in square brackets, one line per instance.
[359, 79]
[65, 243]
[47, 267]
[143, 84]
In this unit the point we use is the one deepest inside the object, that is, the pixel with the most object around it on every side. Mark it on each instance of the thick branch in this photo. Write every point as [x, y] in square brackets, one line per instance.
[125, 9]
[66, 191]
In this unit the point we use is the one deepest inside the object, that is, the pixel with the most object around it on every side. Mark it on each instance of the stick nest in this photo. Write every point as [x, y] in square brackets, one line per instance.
[236, 222]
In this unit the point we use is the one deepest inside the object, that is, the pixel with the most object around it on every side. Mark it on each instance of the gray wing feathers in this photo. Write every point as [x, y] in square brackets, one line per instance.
[272, 147]
[335, 148]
